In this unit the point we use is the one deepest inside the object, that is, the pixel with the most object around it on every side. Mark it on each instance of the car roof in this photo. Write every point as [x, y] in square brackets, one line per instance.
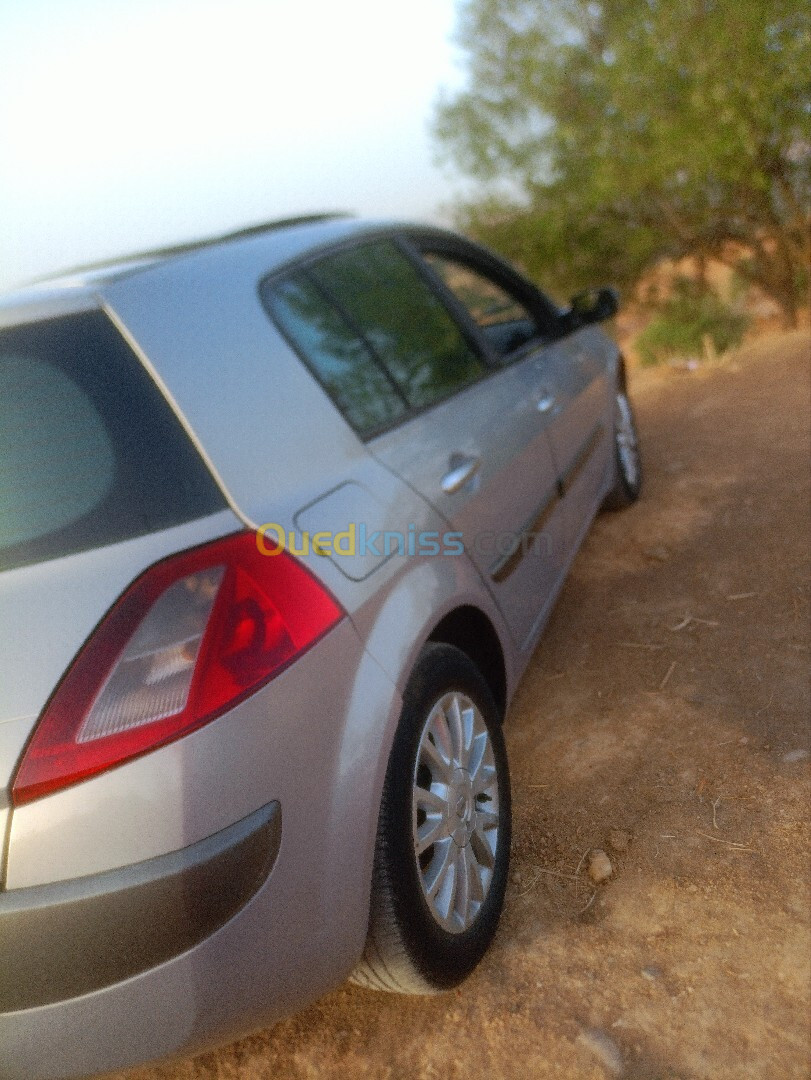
[280, 241]
[107, 269]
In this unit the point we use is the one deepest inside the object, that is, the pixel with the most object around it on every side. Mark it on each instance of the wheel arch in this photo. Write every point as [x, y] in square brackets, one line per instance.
[470, 630]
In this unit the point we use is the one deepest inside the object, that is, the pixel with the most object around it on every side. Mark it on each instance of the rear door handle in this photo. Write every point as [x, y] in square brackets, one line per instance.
[462, 469]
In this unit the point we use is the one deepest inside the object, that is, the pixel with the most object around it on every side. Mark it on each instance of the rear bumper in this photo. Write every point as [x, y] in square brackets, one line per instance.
[313, 742]
[72, 937]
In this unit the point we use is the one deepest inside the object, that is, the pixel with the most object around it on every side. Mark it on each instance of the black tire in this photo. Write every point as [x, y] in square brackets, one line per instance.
[408, 949]
[627, 459]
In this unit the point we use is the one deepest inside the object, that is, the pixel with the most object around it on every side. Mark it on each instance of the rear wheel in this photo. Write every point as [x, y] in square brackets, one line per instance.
[627, 459]
[443, 838]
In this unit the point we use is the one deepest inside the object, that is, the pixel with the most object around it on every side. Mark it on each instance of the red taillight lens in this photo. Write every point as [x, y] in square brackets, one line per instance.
[191, 637]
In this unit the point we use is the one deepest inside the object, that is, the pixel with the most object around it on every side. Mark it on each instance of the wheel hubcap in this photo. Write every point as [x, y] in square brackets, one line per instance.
[455, 811]
[627, 445]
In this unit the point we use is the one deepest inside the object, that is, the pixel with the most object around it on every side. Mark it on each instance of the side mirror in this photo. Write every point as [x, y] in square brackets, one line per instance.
[593, 306]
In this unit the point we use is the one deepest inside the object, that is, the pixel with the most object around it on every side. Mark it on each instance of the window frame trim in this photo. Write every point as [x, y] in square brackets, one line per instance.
[422, 242]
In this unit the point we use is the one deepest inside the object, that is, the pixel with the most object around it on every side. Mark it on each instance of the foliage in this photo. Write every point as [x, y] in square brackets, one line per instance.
[692, 316]
[609, 133]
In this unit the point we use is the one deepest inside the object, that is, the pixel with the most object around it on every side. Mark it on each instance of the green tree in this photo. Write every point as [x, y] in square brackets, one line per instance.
[609, 133]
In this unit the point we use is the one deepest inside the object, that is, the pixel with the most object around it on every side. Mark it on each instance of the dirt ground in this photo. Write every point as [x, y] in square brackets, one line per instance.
[665, 720]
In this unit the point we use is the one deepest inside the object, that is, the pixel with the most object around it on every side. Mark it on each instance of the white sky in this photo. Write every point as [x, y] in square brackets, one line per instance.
[125, 124]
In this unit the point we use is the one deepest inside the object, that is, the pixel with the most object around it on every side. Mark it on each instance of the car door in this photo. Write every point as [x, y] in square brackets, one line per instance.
[573, 373]
[521, 331]
[478, 454]
[565, 372]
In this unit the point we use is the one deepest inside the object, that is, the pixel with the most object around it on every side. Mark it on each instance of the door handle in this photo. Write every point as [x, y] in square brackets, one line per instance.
[462, 469]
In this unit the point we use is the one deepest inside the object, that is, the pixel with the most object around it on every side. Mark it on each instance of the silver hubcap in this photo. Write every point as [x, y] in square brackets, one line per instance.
[627, 445]
[455, 811]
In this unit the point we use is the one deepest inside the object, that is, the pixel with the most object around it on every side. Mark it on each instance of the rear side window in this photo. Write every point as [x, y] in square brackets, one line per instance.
[373, 332]
[404, 322]
[336, 354]
[90, 451]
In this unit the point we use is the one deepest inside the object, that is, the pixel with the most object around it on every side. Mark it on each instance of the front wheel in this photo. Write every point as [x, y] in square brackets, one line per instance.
[443, 840]
[627, 459]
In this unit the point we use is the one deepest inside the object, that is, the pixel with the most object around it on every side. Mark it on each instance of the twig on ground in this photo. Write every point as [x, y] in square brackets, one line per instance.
[582, 860]
[741, 596]
[670, 671]
[556, 873]
[591, 899]
[542, 870]
[729, 843]
[688, 619]
[715, 805]
[766, 707]
[579, 865]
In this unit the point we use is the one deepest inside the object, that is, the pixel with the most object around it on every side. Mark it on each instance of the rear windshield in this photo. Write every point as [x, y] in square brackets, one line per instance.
[90, 451]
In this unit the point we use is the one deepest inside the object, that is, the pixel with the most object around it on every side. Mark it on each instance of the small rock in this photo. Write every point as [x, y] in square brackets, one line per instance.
[795, 755]
[618, 840]
[516, 876]
[604, 1047]
[651, 972]
[658, 553]
[600, 868]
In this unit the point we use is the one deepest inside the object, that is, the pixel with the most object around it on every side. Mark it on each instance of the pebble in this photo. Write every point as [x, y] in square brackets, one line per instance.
[795, 755]
[600, 868]
[651, 972]
[604, 1047]
[618, 840]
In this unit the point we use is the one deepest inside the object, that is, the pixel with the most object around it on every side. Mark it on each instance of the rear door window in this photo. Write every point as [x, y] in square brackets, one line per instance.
[406, 325]
[90, 451]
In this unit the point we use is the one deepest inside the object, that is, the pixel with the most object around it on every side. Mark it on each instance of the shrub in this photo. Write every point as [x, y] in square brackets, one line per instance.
[692, 317]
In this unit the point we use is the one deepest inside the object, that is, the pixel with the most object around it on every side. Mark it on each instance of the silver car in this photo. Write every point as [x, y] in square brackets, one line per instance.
[282, 517]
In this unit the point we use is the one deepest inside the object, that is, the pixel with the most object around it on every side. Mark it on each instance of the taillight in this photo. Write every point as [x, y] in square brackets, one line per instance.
[189, 639]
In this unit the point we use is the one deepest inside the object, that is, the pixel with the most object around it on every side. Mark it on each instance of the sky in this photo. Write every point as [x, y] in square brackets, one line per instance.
[127, 124]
